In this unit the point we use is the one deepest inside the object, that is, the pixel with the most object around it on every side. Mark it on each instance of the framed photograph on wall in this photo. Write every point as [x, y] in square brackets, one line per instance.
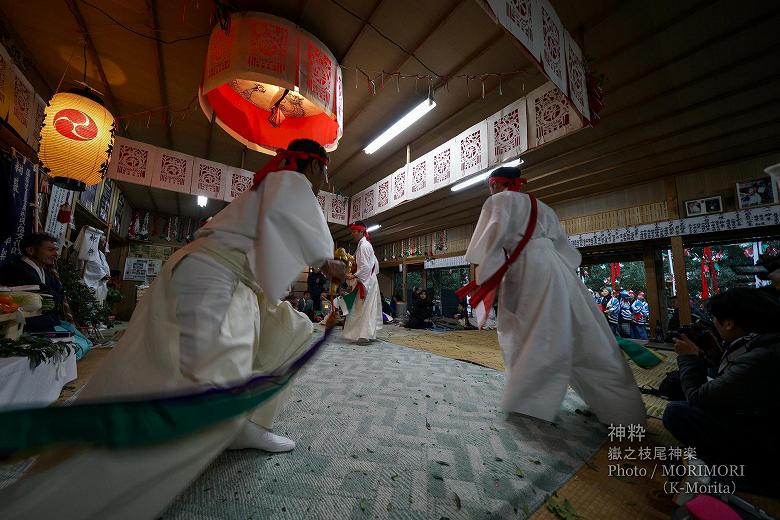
[705, 206]
[756, 192]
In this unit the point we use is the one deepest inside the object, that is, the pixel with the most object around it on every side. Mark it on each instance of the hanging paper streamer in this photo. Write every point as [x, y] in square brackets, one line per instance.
[22, 187]
[554, 41]
[133, 161]
[578, 81]
[550, 115]
[473, 149]
[369, 201]
[507, 133]
[173, 171]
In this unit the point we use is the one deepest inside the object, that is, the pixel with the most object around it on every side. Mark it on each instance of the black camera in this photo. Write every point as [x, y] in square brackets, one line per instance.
[704, 335]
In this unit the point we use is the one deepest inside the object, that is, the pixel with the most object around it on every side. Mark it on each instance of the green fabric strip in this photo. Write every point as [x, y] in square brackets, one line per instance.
[129, 424]
[639, 354]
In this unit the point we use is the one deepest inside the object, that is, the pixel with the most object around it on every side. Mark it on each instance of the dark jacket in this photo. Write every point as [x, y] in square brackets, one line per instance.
[747, 383]
[17, 273]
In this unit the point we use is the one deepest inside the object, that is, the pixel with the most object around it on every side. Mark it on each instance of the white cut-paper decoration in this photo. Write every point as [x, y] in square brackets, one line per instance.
[172, 171]
[369, 201]
[355, 207]
[339, 208]
[209, 179]
[578, 82]
[323, 199]
[445, 164]
[132, 161]
[237, 183]
[521, 19]
[550, 115]
[384, 194]
[554, 43]
[421, 176]
[472, 148]
[401, 185]
[507, 133]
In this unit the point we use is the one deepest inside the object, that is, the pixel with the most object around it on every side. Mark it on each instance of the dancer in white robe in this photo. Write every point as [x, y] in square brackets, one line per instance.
[97, 273]
[211, 318]
[365, 317]
[550, 331]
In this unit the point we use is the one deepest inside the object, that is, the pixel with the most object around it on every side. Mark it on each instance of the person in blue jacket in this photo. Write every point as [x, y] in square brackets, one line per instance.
[641, 311]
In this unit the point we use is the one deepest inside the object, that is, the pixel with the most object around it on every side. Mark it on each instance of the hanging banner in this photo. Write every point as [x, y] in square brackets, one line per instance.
[444, 164]
[87, 243]
[550, 115]
[57, 198]
[132, 161]
[22, 194]
[578, 85]
[104, 207]
[421, 176]
[119, 212]
[522, 19]
[355, 207]
[238, 182]
[369, 201]
[21, 114]
[39, 115]
[507, 133]
[339, 206]
[6, 82]
[473, 150]
[172, 171]
[553, 51]
[384, 194]
[323, 198]
[209, 179]
[88, 197]
[401, 185]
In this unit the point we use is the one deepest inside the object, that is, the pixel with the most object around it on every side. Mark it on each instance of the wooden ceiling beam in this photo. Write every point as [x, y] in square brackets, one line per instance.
[411, 54]
[360, 32]
[456, 70]
[76, 12]
[639, 125]
[162, 83]
[717, 120]
[472, 203]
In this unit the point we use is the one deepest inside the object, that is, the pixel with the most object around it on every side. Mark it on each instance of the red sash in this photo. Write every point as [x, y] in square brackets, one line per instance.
[480, 291]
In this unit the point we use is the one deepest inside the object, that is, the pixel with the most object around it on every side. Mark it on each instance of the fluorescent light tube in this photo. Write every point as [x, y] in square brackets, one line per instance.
[482, 176]
[373, 228]
[401, 125]
[202, 201]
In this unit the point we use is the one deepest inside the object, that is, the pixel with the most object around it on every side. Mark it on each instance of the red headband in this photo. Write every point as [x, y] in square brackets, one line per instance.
[275, 164]
[358, 227]
[514, 184]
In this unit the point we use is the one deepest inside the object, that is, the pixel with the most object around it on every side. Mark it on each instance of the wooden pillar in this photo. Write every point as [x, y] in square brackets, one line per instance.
[654, 290]
[678, 253]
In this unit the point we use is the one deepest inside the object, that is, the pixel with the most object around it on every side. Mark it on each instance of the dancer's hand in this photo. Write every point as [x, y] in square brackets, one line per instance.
[335, 270]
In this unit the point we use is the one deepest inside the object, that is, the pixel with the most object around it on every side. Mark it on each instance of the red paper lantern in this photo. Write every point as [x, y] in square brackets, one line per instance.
[270, 82]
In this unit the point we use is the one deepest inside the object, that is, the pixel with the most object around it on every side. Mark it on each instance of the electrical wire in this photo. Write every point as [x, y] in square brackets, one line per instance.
[142, 35]
[383, 35]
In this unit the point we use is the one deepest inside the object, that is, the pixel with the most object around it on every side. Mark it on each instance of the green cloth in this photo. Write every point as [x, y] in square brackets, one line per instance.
[130, 424]
[639, 354]
[350, 298]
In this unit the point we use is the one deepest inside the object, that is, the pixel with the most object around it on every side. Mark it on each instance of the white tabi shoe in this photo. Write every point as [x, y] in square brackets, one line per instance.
[256, 437]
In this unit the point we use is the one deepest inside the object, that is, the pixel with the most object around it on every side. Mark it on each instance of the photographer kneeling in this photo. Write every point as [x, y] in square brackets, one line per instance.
[733, 418]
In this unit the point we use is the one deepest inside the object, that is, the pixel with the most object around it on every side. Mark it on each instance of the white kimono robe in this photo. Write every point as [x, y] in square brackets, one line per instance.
[365, 318]
[211, 318]
[550, 331]
[94, 273]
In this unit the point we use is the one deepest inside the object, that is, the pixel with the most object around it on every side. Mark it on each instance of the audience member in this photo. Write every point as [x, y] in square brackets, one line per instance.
[421, 312]
[641, 312]
[38, 266]
[733, 418]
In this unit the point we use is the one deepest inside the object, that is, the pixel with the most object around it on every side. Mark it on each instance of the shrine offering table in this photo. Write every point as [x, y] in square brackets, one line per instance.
[22, 386]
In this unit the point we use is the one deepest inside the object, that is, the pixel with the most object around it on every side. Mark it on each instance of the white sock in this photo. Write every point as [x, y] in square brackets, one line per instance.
[256, 437]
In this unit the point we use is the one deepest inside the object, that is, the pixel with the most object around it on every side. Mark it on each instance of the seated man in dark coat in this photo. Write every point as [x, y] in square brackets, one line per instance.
[421, 312]
[37, 266]
[733, 419]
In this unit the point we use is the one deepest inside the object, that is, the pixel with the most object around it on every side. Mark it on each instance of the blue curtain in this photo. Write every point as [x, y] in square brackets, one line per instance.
[18, 186]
